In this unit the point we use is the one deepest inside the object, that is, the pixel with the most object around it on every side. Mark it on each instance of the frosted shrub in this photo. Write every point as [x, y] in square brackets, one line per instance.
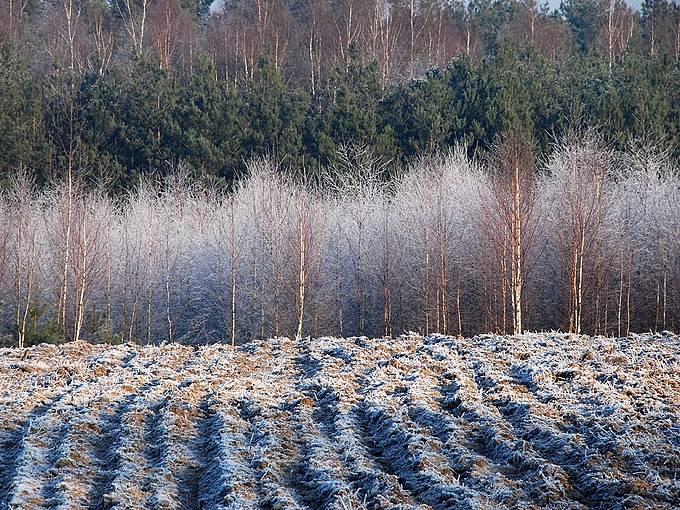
[432, 251]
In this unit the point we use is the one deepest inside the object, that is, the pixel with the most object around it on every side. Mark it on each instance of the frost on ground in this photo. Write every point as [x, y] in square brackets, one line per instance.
[527, 422]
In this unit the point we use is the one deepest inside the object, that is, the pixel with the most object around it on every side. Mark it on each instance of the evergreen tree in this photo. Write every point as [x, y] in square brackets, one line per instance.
[23, 140]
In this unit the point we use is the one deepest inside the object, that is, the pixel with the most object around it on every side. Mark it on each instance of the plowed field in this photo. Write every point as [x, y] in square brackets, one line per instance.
[535, 421]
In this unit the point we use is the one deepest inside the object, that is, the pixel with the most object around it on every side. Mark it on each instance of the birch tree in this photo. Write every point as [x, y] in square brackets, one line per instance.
[226, 241]
[13, 17]
[26, 260]
[267, 196]
[358, 183]
[134, 14]
[644, 205]
[304, 251]
[576, 193]
[510, 223]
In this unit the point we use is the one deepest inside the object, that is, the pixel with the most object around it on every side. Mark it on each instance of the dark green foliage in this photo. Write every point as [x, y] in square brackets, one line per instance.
[114, 123]
[273, 115]
[584, 17]
[23, 139]
[41, 326]
[348, 112]
[493, 15]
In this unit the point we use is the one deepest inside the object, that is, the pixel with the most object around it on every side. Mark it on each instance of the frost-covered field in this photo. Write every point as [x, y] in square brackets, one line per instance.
[536, 421]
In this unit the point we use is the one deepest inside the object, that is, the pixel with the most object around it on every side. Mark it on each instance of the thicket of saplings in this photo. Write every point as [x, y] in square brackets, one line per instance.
[588, 242]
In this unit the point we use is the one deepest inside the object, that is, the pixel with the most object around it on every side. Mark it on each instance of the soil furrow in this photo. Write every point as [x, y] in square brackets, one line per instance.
[525, 422]
[599, 384]
[370, 484]
[419, 385]
[468, 390]
[323, 476]
[399, 445]
[106, 451]
[14, 449]
[274, 455]
[77, 465]
[544, 481]
[185, 421]
[324, 472]
[226, 481]
[148, 436]
[581, 441]
[334, 395]
[485, 479]
[36, 464]
[588, 470]
[171, 433]
[412, 455]
[129, 484]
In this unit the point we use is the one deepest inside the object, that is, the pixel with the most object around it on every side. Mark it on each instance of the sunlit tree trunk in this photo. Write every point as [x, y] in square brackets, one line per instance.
[510, 223]
[26, 256]
[575, 199]
[232, 241]
[302, 266]
[135, 22]
[66, 227]
[81, 274]
[517, 243]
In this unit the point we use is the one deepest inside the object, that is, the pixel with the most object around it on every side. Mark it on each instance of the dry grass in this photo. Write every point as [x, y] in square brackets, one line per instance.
[535, 421]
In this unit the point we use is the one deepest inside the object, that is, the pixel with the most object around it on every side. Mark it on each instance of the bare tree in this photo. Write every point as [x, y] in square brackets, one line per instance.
[60, 228]
[65, 35]
[417, 194]
[304, 250]
[383, 36]
[647, 244]
[358, 182]
[134, 14]
[181, 243]
[315, 42]
[102, 30]
[437, 198]
[24, 244]
[89, 271]
[170, 31]
[13, 15]
[510, 223]
[617, 29]
[627, 219]
[676, 32]
[137, 253]
[149, 220]
[225, 241]
[385, 274]
[71, 32]
[267, 197]
[76, 224]
[576, 194]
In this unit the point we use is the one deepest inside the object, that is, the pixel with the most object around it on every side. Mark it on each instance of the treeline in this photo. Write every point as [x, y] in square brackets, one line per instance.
[587, 242]
[114, 90]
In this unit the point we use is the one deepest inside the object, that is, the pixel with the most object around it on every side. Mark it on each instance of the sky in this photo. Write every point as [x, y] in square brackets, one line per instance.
[555, 4]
